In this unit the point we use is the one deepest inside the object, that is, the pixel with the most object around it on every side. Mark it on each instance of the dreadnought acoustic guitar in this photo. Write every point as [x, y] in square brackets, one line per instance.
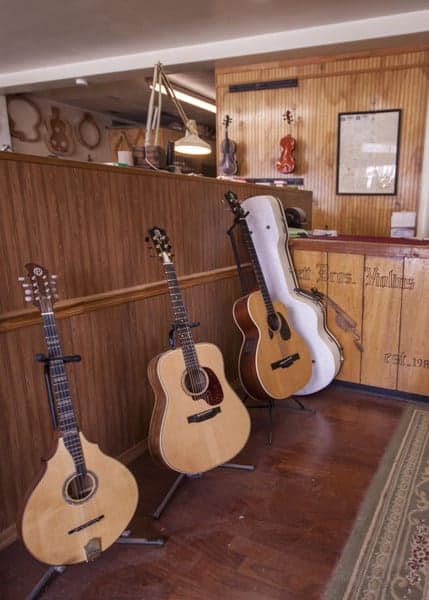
[266, 218]
[198, 422]
[83, 499]
[274, 359]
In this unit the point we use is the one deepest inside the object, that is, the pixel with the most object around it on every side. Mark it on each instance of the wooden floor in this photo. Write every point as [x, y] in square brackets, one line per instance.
[275, 533]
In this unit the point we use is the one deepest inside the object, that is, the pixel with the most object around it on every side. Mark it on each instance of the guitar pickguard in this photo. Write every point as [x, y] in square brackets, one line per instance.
[214, 393]
[284, 327]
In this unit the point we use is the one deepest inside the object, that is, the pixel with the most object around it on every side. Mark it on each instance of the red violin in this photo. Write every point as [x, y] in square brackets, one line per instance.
[286, 162]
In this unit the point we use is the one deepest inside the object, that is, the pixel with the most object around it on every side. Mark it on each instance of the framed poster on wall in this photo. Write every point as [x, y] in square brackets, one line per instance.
[368, 152]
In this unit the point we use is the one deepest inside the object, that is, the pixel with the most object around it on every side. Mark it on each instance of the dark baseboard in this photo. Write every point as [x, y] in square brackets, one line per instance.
[378, 391]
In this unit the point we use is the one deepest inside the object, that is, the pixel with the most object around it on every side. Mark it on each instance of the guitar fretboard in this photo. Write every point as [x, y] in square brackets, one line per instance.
[60, 387]
[257, 267]
[183, 329]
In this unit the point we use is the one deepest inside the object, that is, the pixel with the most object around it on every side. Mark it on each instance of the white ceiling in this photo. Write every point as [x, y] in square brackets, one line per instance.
[45, 45]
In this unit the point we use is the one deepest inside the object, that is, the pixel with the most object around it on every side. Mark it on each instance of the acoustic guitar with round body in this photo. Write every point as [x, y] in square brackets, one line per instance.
[83, 499]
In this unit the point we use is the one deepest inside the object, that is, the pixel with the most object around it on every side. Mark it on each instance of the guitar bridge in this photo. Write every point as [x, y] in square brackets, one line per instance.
[93, 549]
[203, 416]
[286, 362]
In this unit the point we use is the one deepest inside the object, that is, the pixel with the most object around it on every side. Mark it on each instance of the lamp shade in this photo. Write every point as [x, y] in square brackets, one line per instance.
[191, 143]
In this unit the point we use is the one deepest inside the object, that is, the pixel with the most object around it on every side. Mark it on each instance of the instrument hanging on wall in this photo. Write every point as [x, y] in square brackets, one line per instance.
[267, 221]
[88, 133]
[274, 360]
[286, 162]
[198, 421]
[228, 164]
[83, 499]
[59, 138]
[29, 113]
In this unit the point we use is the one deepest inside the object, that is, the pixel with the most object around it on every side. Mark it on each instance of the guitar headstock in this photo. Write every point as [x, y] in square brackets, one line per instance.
[40, 288]
[227, 121]
[161, 243]
[235, 205]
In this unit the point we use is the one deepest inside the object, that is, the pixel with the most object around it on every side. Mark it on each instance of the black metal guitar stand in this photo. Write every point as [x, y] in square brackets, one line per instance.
[270, 404]
[124, 538]
[168, 496]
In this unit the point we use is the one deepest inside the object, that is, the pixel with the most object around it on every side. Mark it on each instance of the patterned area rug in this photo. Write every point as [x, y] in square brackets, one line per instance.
[387, 554]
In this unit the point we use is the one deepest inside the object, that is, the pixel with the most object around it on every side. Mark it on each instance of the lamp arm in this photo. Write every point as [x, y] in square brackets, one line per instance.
[150, 108]
[172, 95]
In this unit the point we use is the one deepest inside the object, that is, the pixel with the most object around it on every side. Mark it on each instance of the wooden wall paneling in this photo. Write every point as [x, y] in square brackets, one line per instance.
[413, 355]
[26, 432]
[345, 287]
[327, 86]
[380, 336]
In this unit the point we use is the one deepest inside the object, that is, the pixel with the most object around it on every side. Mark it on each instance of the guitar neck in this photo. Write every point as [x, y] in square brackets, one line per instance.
[257, 268]
[181, 321]
[60, 388]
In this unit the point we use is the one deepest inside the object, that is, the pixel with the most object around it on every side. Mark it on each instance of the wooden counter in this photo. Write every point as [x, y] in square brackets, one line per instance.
[87, 223]
[382, 285]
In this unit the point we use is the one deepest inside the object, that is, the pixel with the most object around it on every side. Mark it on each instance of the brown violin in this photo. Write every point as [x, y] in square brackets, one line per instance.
[286, 162]
[228, 164]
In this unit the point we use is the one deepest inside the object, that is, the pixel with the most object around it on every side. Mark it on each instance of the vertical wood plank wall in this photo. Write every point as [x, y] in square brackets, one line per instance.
[88, 224]
[383, 290]
[326, 87]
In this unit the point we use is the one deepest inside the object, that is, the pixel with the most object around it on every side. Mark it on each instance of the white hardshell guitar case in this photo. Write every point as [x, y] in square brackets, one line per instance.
[267, 223]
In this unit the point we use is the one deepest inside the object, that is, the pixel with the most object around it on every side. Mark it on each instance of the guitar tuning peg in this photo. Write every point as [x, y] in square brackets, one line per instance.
[28, 298]
[21, 278]
[28, 292]
[54, 276]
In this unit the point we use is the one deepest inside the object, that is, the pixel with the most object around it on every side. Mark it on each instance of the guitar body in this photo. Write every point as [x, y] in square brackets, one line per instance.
[264, 348]
[194, 447]
[51, 524]
[267, 221]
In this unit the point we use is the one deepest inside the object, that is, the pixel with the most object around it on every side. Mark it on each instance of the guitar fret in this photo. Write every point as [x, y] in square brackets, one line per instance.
[257, 269]
[64, 407]
[181, 320]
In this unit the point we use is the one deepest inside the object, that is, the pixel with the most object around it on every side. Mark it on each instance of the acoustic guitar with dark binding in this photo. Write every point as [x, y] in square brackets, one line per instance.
[198, 421]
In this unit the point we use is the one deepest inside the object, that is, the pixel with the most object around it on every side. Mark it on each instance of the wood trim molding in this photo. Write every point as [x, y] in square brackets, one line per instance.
[133, 453]
[8, 536]
[77, 306]
[361, 247]
[74, 164]
[235, 66]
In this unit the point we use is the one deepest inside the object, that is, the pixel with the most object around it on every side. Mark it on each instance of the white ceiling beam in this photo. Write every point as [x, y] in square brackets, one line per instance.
[338, 33]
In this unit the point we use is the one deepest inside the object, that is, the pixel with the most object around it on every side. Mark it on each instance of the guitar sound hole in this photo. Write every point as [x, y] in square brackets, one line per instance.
[195, 381]
[273, 322]
[79, 488]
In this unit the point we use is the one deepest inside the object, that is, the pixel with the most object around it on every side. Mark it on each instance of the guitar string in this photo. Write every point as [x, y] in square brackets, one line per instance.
[183, 331]
[193, 369]
[68, 424]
